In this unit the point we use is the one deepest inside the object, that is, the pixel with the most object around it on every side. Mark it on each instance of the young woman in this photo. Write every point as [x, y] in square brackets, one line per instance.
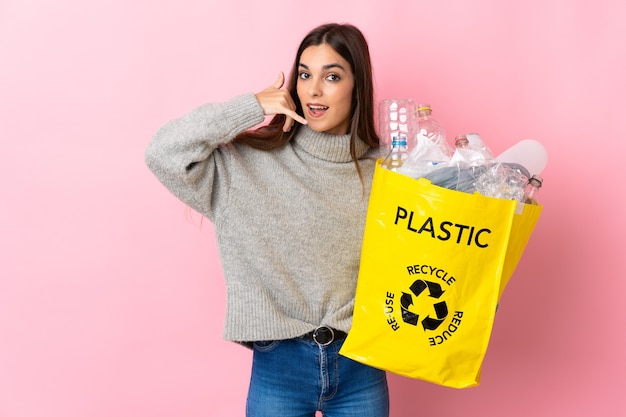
[288, 202]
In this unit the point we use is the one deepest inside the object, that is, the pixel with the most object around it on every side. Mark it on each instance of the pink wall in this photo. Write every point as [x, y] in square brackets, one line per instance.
[111, 295]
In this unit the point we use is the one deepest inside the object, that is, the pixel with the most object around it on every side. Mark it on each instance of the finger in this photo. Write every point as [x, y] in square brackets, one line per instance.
[292, 117]
[295, 116]
[288, 123]
[279, 81]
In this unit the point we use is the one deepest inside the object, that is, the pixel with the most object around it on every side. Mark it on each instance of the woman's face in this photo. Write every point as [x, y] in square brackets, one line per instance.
[325, 84]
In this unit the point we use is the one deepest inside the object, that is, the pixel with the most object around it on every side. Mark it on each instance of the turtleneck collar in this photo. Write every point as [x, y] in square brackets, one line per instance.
[332, 148]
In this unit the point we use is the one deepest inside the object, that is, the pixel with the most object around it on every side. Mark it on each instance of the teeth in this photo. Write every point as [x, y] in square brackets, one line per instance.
[318, 107]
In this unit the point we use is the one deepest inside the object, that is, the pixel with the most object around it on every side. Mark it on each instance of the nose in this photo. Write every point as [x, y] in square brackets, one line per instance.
[315, 89]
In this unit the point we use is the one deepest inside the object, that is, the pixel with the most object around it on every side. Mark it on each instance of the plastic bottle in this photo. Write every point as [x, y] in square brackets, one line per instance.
[461, 142]
[430, 150]
[396, 117]
[470, 150]
[529, 153]
[532, 189]
[476, 143]
[429, 128]
[398, 154]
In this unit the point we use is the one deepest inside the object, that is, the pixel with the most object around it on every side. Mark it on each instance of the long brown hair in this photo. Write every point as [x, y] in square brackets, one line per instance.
[349, 42]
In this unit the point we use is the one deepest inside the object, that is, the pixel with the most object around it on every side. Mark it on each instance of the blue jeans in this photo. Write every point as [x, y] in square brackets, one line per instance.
[297, 377]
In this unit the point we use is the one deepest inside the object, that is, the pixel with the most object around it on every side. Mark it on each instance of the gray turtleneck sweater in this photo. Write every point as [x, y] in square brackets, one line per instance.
[288, 223]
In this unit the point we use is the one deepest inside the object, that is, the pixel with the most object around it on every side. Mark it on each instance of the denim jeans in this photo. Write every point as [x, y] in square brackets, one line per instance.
[297, 377]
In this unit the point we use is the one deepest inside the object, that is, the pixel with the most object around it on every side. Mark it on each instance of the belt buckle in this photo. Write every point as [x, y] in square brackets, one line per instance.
[323, 335]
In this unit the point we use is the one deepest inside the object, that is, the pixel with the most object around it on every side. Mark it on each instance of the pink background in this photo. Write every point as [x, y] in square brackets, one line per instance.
[111, 294]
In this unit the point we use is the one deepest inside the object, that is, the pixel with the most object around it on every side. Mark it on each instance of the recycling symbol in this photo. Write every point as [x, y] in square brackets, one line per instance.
[434, 291]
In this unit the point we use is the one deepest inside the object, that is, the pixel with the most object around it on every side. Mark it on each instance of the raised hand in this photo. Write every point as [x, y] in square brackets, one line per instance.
[275, 100]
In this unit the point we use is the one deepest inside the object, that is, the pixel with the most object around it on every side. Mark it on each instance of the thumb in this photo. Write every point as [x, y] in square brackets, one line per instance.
[279, 81]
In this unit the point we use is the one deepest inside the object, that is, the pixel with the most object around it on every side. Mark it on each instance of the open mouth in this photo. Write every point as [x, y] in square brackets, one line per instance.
[317, 110]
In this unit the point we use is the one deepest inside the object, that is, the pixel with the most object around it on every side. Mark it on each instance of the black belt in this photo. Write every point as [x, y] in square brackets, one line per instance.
[324, 335]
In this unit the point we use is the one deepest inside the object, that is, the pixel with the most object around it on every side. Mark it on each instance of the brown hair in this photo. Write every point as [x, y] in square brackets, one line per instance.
[349, 42]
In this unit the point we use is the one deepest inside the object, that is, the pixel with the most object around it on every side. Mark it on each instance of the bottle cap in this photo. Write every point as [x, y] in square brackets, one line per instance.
[536, 181]
[398, 140]
[424, 109]
[460, 140]
[424, 106]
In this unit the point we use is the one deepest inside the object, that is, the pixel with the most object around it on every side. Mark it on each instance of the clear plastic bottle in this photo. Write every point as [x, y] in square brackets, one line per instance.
[398, 154]
[476, 143]
[470, 150]
[461, 142]
[429, 128]
[532, 189]
[396, 117]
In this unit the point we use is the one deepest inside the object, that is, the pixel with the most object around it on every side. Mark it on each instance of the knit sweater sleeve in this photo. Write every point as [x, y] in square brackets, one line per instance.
[186, 153]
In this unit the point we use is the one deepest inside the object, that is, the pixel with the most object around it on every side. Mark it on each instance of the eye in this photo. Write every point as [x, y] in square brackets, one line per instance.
[304, 75]
[333, 77]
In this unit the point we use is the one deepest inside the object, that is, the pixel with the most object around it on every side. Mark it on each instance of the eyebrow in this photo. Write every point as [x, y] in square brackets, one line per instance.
[325, 67]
